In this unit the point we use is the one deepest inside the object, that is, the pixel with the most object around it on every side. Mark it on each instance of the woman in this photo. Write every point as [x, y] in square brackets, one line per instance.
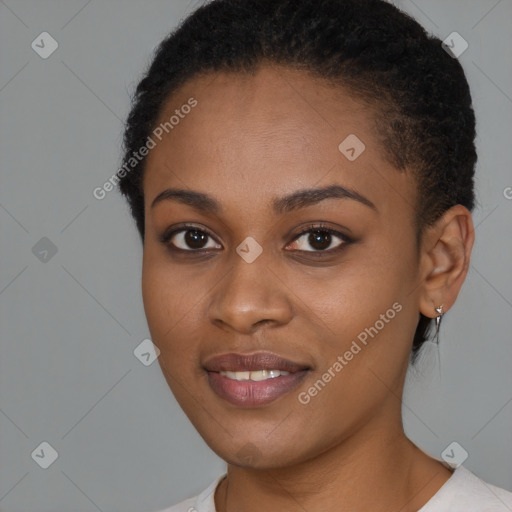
[301, 175]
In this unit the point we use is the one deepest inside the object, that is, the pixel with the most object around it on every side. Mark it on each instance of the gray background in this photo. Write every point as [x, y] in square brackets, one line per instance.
[69, 325]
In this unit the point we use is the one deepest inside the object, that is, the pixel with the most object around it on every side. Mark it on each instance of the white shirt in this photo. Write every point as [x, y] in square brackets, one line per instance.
[462, 492]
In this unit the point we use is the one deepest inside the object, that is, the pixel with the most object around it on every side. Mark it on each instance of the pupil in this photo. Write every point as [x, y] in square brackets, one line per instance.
[322, 238]
[195, 240]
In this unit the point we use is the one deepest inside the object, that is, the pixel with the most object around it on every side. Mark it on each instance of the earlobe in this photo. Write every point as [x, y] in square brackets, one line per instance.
[445, 258]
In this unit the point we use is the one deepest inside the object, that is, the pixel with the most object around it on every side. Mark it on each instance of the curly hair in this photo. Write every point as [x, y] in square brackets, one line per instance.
[424, 116]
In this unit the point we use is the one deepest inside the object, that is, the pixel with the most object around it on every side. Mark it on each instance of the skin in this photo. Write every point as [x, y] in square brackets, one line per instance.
[250, 139]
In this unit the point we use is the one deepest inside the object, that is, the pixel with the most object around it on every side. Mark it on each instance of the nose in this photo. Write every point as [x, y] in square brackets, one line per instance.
[248, 296]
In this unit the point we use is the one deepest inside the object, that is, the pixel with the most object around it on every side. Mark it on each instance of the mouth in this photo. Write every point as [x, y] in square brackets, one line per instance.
[253, 380]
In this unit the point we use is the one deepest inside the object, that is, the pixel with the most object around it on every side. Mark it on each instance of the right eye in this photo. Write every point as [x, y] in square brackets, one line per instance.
[188, 238]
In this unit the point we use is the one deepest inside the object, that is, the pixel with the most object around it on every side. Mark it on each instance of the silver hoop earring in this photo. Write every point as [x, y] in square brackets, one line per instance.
[440, 313]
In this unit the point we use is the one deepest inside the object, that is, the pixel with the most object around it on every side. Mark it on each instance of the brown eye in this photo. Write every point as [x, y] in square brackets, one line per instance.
[319, 239]
[190, 239]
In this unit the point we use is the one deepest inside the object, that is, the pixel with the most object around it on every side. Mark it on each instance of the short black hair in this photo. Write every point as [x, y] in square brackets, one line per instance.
[424, 115]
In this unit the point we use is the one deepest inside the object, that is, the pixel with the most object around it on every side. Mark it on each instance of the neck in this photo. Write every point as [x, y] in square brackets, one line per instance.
[376, 469]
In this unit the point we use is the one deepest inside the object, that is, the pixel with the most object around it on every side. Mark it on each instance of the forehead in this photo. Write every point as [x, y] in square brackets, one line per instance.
[264, 134]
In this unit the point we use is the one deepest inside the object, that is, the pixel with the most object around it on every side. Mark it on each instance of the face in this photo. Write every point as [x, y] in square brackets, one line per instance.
[256, 274]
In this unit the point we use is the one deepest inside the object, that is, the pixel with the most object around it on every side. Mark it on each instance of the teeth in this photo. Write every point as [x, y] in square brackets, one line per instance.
[256, 375]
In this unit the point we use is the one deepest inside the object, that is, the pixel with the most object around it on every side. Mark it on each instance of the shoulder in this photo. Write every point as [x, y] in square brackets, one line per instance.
[465, 492]
[203, 502]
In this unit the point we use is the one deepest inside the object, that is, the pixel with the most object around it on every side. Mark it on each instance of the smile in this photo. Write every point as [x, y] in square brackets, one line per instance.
[257, 375]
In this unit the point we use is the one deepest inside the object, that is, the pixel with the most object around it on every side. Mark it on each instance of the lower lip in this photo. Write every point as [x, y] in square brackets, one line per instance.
[250, 393]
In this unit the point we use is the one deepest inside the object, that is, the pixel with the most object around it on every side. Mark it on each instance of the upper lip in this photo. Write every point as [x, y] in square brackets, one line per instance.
[234, 362]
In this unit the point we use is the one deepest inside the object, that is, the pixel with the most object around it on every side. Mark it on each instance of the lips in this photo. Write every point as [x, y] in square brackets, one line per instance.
[253, 380]
[253, 362]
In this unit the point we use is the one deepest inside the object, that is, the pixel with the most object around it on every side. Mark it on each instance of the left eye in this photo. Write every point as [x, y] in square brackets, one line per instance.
[320, 239]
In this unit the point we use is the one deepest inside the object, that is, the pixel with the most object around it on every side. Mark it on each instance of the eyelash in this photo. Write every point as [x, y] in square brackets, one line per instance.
[167, 236]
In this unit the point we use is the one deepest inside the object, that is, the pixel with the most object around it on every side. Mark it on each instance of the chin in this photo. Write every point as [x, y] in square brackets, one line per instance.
[259, 452]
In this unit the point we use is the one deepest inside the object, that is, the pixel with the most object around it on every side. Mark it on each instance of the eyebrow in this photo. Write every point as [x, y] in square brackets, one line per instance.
[298, 199]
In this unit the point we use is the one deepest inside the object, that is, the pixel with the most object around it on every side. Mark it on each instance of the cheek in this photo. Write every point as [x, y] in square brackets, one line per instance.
[352, 296]
[166, 300]
[366, 314]
[174, 302]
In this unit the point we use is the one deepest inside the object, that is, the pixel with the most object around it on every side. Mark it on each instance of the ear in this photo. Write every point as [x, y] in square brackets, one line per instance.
[444, 260]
